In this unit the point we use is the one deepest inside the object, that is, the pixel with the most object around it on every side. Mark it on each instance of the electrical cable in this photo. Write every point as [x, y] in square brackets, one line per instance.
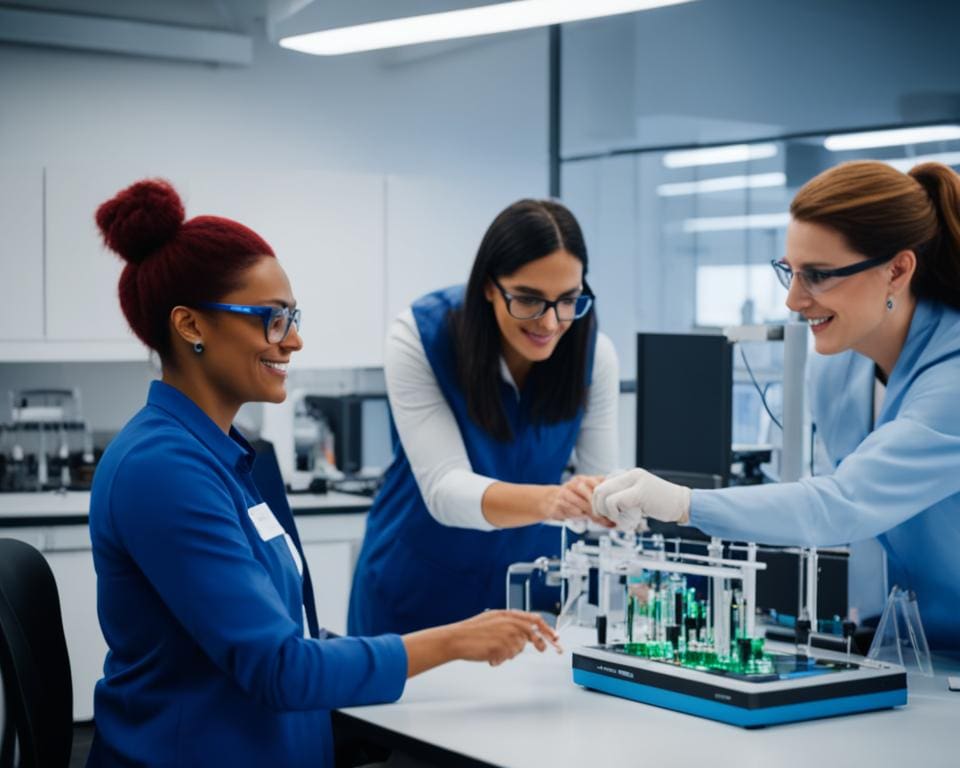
[813, 441]
[761, 392]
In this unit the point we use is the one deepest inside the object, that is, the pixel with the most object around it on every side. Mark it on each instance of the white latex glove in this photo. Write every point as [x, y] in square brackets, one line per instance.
[629, 497]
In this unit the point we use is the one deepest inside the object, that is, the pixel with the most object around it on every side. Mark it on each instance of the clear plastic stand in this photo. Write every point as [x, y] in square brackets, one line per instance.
[900, 638]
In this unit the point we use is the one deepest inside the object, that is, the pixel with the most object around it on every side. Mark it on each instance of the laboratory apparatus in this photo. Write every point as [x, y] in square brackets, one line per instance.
[676, 627]
[46, 445]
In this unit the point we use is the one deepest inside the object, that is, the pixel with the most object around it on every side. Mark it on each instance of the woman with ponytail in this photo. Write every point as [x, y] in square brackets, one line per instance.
[873, 264]
[200, 586]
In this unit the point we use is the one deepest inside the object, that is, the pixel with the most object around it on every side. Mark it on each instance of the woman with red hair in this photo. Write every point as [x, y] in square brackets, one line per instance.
[199, 586]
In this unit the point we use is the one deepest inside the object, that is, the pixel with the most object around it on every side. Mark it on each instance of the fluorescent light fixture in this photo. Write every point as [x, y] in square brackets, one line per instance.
[906, 163]
[722, 184]
[468, 22]
[732, 153]
[843, 142]
[733, 223]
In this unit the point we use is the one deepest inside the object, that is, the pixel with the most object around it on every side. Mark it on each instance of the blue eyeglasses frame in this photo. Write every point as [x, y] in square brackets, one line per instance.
[266, 314]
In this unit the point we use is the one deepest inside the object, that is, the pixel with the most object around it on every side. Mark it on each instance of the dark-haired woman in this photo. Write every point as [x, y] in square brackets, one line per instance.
[199, 584]
[491, 388]
[873, 263]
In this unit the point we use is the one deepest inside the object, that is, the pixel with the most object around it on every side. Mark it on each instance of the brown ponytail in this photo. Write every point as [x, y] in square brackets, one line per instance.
[938, 268]
[881, 211]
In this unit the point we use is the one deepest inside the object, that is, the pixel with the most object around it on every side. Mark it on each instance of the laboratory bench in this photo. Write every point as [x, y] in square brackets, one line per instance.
[331, 529]
[528, 713]
[55, 508]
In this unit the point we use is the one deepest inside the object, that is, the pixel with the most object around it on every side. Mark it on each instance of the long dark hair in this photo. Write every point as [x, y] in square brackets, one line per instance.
[881, 211]
[525, 231]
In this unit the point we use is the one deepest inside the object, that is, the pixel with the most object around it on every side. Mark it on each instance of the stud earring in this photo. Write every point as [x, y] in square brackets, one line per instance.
[198, 347]
[889, 303]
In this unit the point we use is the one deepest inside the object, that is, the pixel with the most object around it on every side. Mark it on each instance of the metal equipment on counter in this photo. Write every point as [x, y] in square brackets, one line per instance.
[47, 445]
[677, 628]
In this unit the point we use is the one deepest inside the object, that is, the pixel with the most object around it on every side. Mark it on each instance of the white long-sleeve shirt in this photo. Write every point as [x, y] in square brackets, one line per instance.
[428, 430]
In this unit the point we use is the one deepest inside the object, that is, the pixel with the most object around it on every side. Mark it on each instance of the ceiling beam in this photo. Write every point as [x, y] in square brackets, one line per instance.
[129, 38]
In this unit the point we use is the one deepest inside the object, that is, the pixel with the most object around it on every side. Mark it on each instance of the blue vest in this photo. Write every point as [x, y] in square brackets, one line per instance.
[412, 571]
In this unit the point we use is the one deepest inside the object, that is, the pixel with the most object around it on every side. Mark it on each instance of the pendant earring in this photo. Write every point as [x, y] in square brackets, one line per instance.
[198, 347]
[889, 303]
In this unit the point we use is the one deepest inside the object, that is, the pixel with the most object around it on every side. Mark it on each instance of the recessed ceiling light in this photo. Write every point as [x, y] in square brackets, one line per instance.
[722, 184]
[732, 153]
[842, 142]
[732, 223]
[468, 22]
[906, 163]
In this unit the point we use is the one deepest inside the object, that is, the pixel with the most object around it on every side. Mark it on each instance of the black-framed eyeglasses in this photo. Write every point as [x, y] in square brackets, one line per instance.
[277, 321]
[817, 281]
[526, 307]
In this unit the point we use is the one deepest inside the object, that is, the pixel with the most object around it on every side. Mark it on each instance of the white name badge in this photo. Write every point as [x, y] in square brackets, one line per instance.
[264, 521]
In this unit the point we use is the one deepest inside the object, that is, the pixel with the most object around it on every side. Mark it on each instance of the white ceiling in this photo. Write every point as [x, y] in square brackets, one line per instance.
[246, 15]
[226, 15]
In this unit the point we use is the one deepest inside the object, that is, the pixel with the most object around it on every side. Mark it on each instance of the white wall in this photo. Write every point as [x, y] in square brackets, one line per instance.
[456, 132]
[479, 106]
[461, 132]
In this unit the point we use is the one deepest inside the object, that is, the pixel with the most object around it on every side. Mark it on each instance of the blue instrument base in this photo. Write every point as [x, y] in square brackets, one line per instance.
[741, 716]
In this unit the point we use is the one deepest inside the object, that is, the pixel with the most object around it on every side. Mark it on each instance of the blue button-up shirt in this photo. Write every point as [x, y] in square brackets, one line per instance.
[203, 611]
[899, 481]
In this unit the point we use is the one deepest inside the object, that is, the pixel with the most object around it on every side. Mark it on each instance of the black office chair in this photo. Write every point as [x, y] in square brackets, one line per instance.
[34, 666]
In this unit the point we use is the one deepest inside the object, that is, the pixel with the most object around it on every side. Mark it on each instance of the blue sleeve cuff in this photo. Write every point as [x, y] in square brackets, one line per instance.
[393, 653]
[697, 518]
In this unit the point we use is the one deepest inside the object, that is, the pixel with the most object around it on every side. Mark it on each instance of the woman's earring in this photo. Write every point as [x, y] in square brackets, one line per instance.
[889, 303]
[198, 347]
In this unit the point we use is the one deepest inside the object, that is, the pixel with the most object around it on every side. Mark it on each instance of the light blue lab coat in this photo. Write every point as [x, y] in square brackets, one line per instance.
[899, 482]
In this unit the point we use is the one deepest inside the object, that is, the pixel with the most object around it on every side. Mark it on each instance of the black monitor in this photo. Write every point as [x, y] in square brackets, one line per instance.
[684, 407]
[684, 434]
[360, 424]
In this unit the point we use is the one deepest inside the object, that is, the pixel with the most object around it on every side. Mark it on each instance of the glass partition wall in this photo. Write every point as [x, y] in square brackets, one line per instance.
[684, 132]
[682, 239]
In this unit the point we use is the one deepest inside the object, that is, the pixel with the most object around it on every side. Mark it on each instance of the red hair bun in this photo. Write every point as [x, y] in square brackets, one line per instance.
[140, 219]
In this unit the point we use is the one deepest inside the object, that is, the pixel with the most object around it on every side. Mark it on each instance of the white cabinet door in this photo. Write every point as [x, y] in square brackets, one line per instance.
[82, 275]
[77, 584]
[21, 253]
[331, 544]
[331, 570]
[327, 230]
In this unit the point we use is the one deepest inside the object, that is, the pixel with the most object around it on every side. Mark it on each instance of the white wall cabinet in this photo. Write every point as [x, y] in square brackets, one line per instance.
[357, 247]
[21, 253]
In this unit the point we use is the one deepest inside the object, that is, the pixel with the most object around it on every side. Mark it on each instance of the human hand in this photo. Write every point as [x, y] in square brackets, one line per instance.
[573, 500]
[496, 636]
[628, 497]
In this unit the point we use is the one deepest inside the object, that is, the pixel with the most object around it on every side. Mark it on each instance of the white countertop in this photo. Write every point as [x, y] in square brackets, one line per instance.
[528, 713]
[52, 505]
